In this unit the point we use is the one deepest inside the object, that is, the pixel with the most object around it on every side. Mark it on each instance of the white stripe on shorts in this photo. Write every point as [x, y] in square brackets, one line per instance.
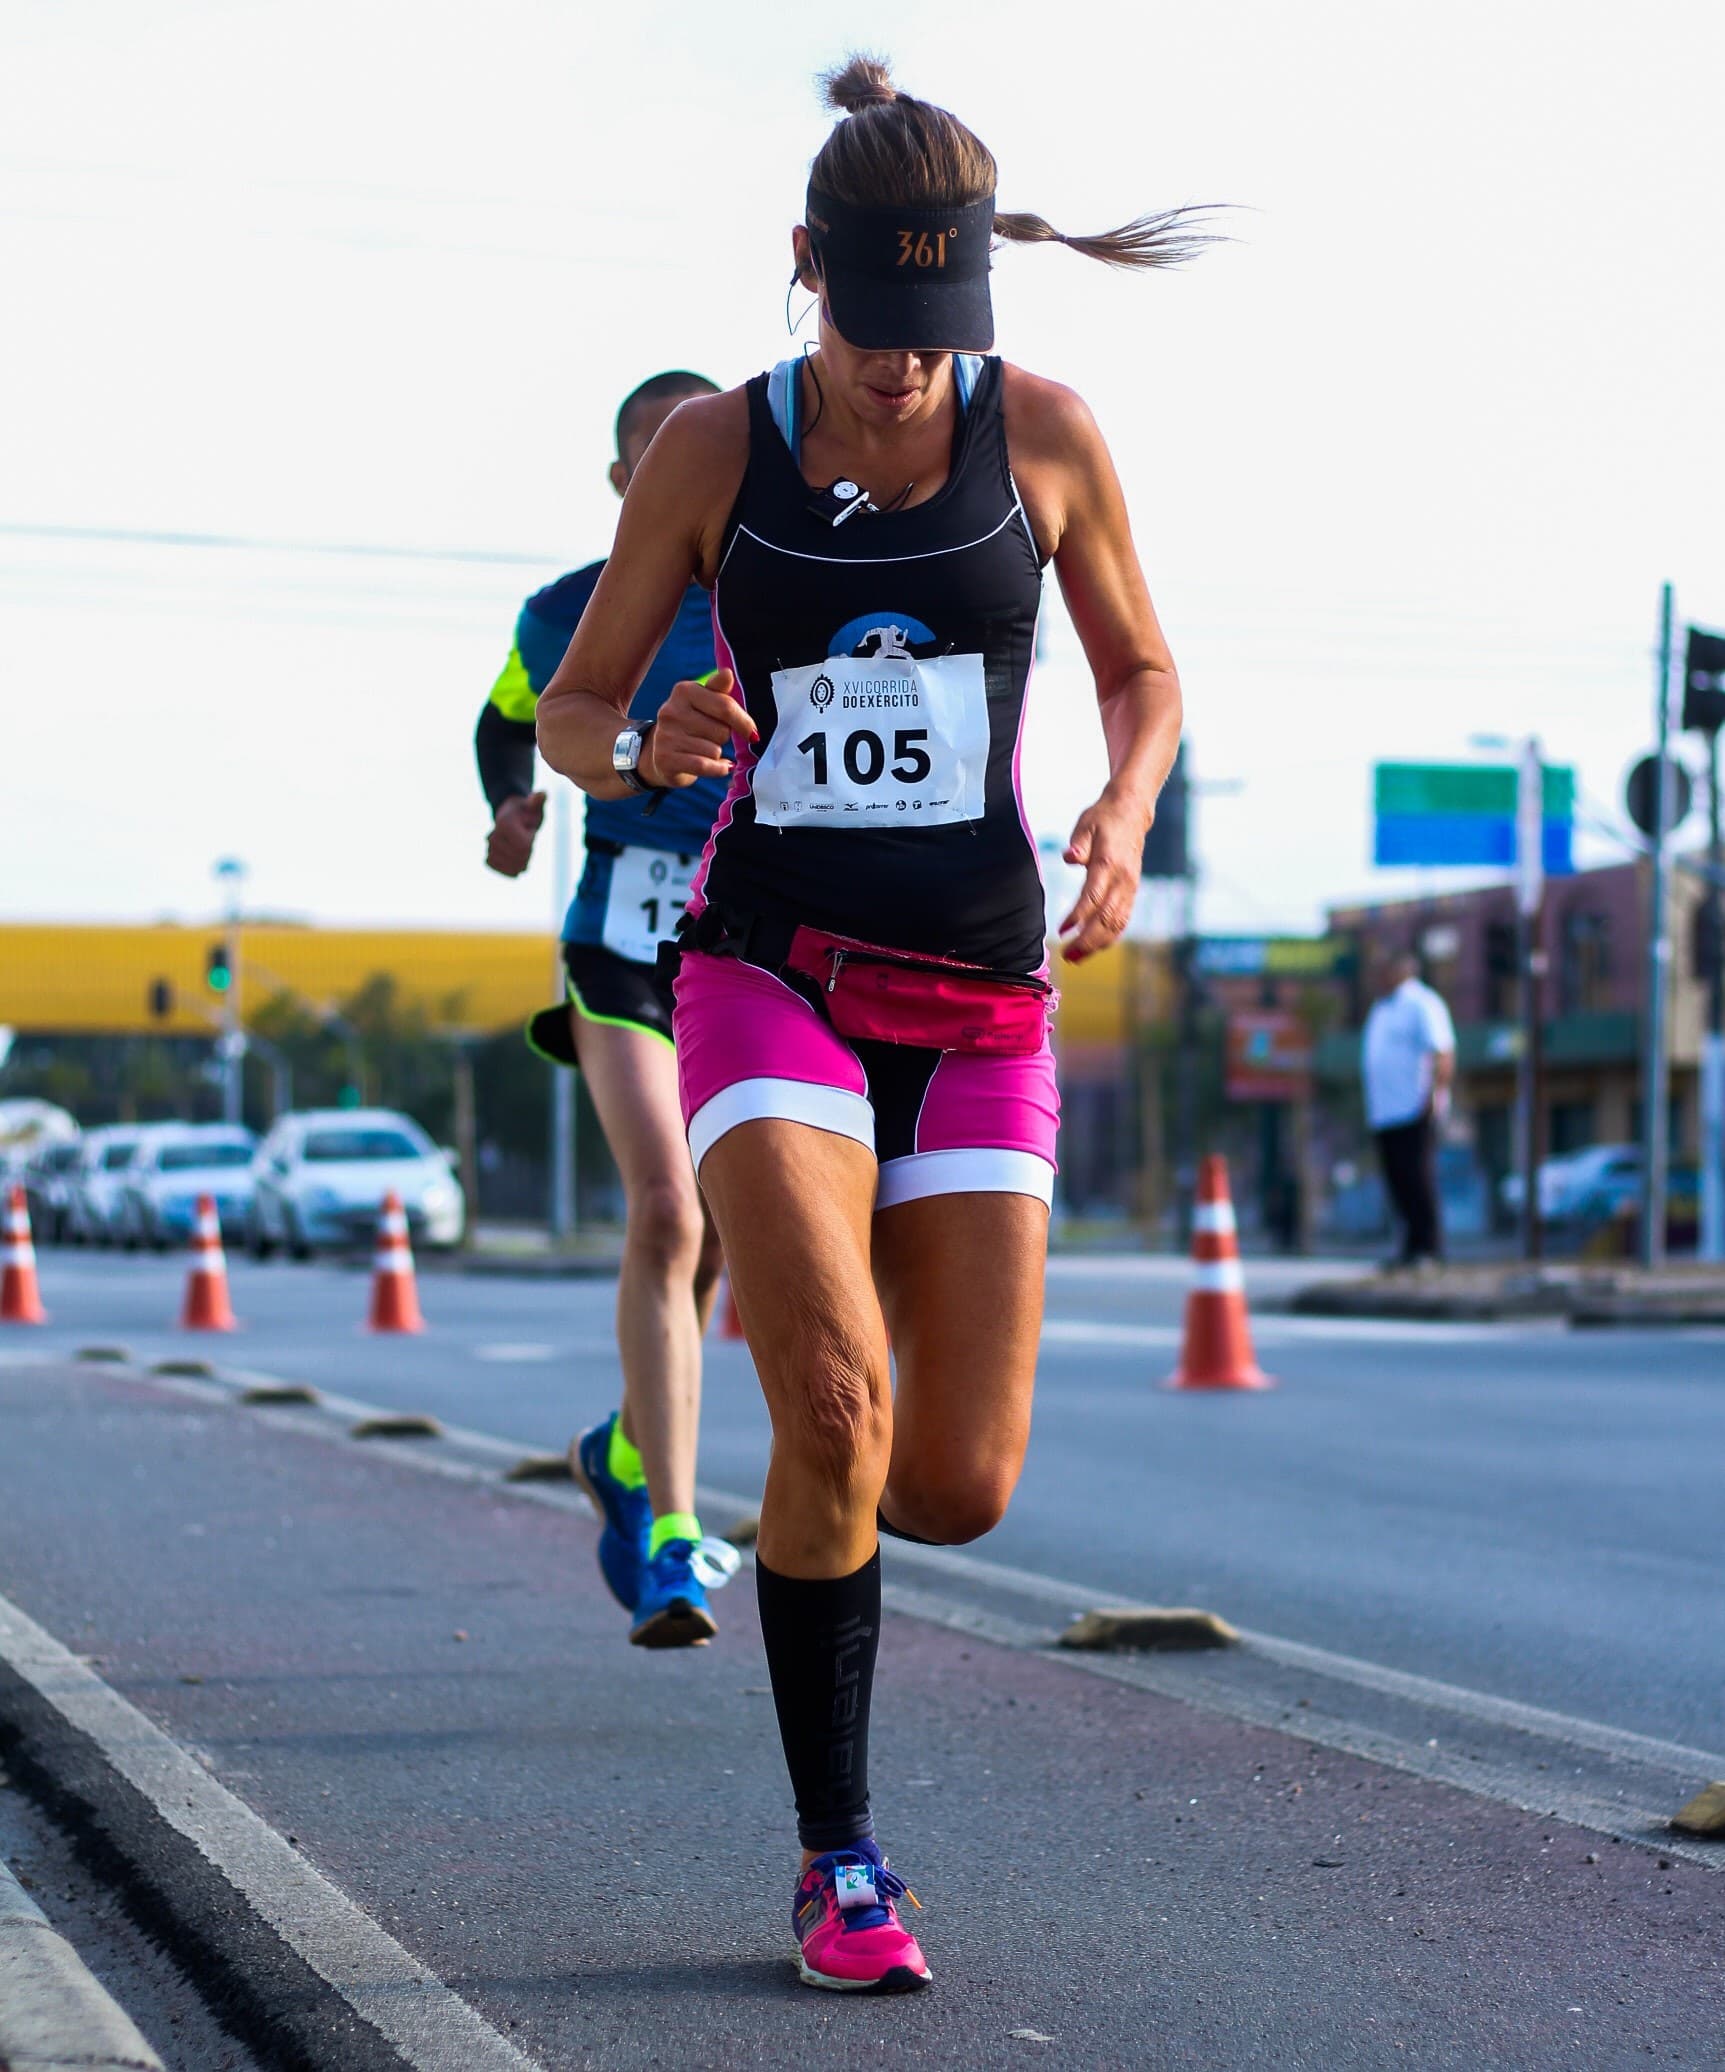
[831, 1108]
[1219, 1277]
[1214, 1218]
[982, 1170]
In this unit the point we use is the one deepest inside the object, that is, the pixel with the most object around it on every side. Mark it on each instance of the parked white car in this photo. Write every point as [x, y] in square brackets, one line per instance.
[320, 1179]
[159, 1201]
[1569, 1186]
[94, 1190]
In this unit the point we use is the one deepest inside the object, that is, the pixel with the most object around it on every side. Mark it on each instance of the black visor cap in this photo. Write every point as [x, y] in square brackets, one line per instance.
[905, 280]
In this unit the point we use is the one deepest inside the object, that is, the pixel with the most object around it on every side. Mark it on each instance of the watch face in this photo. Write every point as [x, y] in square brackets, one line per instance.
[626, 749]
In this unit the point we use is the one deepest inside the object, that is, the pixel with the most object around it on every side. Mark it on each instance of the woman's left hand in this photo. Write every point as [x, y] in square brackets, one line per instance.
[1109, 842]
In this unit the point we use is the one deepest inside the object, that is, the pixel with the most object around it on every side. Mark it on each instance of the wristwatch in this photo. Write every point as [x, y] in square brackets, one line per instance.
[626, 756]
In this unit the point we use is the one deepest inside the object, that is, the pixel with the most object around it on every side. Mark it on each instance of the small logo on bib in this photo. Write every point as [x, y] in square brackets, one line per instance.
[821, 692]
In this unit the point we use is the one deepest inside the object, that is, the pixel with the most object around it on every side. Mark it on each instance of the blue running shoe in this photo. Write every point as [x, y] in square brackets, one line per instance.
[671, 1611]
[627, 1513]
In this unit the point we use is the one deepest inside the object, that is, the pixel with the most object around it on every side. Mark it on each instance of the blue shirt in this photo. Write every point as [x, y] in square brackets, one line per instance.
[683, 819]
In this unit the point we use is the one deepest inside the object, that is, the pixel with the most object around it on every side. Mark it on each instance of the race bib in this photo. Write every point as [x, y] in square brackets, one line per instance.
[649, 890]
[876, 742]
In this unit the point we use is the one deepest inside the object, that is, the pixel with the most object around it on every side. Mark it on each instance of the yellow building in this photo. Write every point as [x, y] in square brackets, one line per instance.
[72, 979]
[92, 980]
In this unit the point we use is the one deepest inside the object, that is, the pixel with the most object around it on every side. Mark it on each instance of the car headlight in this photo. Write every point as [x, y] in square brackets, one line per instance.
[440, 1195]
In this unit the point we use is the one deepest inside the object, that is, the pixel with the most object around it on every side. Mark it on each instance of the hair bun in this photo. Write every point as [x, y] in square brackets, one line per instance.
[860, 82]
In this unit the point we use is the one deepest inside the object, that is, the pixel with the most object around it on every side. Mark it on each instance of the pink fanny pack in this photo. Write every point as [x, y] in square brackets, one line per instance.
[934, 1003]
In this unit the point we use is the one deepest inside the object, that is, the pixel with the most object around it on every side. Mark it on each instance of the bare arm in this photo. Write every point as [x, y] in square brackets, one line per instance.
[669, 534]
[1074, 502]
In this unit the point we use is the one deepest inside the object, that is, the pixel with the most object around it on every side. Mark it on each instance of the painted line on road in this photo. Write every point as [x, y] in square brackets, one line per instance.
[391, 1992]
[1187, 1679]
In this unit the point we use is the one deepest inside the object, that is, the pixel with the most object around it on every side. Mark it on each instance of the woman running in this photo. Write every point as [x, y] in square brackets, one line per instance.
[637, 1465]
[862, 1011]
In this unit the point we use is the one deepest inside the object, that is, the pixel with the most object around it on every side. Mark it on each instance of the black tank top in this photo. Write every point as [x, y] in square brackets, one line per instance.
[885, 660]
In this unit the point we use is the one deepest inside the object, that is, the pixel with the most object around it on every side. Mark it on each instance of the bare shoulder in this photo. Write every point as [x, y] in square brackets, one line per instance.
[1046, 420]
[690, 475]
[1059, 460]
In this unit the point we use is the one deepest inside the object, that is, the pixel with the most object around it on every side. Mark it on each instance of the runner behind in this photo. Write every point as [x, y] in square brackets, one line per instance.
[862, 1009]
[638, 1464]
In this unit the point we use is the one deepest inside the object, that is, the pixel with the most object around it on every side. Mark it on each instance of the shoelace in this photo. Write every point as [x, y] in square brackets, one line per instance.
[888, 1885]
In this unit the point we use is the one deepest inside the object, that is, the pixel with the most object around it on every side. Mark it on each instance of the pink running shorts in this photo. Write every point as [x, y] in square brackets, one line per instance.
[750, 1047]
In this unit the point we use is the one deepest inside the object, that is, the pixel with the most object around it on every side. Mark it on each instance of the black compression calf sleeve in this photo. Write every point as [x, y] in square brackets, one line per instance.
[820, 1638]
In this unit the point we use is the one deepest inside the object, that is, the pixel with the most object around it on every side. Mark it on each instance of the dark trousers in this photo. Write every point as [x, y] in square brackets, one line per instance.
[1408, 1153]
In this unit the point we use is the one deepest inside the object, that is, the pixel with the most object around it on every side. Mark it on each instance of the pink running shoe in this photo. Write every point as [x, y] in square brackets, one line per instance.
[848, 1926]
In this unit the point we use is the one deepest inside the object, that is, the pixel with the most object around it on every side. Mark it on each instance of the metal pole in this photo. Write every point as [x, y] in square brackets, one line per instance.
[232, 874]
[1530, 906]
[1713, 1041]
[466, 1137]
[1655, 1133]
[561, 1215]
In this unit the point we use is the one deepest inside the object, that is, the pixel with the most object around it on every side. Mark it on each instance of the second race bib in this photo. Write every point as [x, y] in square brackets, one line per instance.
[649, 889]
[876, 741]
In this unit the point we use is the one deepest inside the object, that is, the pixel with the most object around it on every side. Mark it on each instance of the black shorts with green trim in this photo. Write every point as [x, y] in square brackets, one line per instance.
[603, 987]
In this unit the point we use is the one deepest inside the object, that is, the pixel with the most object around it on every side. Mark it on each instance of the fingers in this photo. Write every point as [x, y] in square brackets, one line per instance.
[533, 808]
[1101, 911]
[696, 723]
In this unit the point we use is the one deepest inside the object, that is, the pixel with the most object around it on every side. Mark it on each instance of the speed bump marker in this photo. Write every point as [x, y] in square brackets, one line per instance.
[106, 1355]
[1704, 1814]
[540, 1467]
[409, 1425]
[188, 1370]
[1146, 1626]
[264, 1392]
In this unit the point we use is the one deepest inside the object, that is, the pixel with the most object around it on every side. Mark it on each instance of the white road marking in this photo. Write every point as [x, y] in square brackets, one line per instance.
[509, 1355]
[410, 2007]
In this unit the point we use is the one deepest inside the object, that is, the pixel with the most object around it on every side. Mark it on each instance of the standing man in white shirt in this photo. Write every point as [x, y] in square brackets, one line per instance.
[1408, 1062]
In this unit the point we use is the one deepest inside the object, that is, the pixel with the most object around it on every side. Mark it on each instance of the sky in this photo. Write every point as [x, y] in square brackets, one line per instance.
[354, 289]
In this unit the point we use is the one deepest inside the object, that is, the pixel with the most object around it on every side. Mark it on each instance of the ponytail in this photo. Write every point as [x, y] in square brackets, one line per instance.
[894, 151]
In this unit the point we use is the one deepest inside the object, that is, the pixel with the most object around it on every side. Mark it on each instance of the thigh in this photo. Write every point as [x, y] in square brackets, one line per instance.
[961, 1285]
[631, 1075]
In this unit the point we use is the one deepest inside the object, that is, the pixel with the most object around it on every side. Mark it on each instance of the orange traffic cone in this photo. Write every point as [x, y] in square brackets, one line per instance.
[394, 1291]
[730, 1324]
[1218, 1352]
[20, 1297]
[207, 1307]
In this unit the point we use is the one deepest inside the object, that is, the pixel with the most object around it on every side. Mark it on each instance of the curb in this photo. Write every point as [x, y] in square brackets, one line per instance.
[54, 2016]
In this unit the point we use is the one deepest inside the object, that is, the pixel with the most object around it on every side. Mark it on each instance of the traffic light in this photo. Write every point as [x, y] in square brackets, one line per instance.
[1704, 946]
[218, 968]
[1165, 847]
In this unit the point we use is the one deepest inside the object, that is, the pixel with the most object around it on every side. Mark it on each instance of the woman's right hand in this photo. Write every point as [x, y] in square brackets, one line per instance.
[695, 725]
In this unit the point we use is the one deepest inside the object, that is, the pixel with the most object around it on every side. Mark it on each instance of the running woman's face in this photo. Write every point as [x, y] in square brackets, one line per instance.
[882, 389]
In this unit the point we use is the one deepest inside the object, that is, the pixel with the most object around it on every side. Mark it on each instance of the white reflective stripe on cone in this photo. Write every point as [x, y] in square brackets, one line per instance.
[1214, 1218]
[1219, 1277]
[392, 1262]
[19, 1254]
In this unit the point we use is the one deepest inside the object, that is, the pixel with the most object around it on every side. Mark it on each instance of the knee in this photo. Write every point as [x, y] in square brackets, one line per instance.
[834, 1418]
[949, 1504]
[665, 1226]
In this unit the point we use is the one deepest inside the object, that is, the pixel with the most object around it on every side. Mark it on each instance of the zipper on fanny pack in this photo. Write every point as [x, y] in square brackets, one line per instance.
[942, 967]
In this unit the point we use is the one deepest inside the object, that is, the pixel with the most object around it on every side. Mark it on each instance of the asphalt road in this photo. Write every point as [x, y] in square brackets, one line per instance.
[1525, 1511]
[418, 1682]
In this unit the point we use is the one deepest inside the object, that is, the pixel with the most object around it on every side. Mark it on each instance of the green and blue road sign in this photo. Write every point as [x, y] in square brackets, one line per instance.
[1464, 813]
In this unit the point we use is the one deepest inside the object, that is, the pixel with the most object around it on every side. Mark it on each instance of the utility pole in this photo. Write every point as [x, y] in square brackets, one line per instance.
[561, 1217]
[1655, 1131]
[1530, 920]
